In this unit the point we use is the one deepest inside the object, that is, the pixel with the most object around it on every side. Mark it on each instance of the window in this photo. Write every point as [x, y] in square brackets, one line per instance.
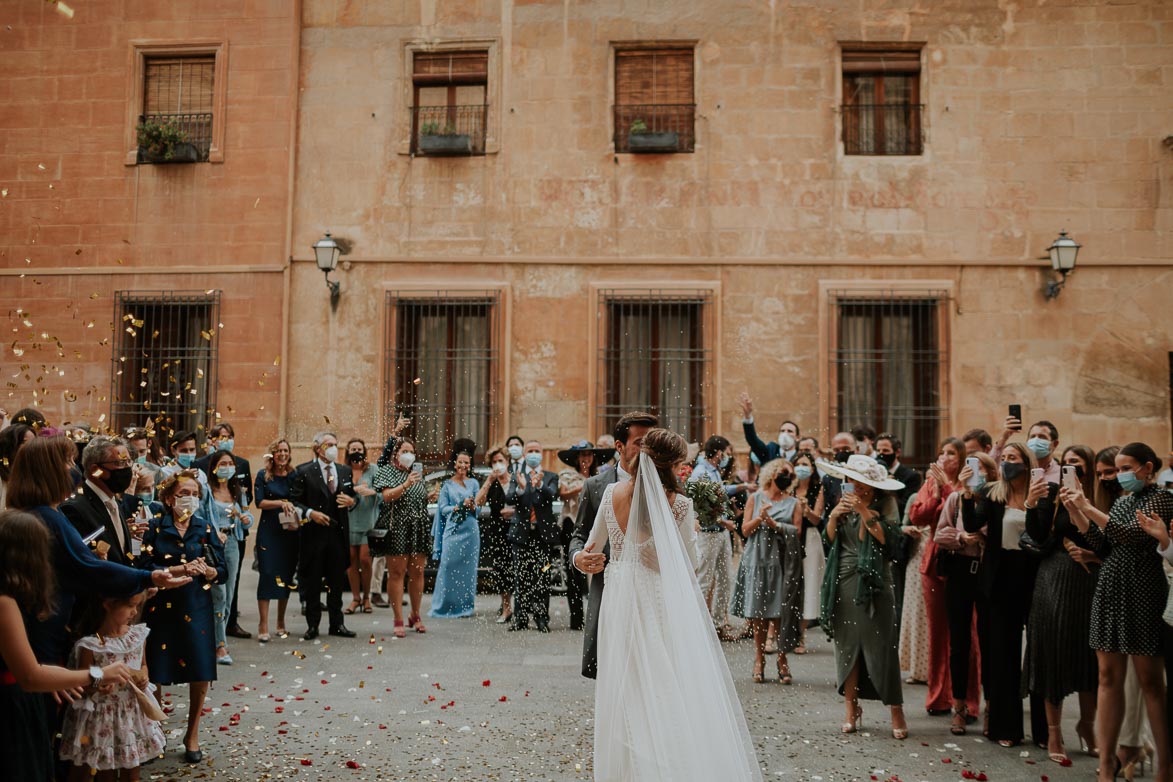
[177, 102]
[165, 361]
[881, 99]
[654, 355]
[441, 367]
[655, 103]
[888, 366]
[450, 104]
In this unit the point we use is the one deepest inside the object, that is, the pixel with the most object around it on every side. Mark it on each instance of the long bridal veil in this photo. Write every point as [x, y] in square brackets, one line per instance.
[665, 705]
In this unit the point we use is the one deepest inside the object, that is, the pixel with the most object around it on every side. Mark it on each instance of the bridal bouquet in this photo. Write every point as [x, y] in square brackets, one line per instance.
[708, 499]
[459, 514]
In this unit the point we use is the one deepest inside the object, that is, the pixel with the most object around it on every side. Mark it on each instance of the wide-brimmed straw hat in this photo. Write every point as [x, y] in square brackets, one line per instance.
[570, 456]
[862, 469]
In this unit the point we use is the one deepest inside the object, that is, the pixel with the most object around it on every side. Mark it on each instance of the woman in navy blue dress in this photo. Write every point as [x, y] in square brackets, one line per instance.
[277, 547]
[457, 542]
[182, 645]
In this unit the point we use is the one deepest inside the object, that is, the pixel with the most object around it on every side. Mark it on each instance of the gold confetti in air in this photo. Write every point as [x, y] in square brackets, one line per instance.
[63, 9]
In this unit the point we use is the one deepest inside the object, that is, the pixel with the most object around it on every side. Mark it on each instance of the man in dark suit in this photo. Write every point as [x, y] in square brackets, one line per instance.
[324, 495]
[629, 438]
[842, 447]
[108, 472]
[534, 533]
[222, 437]
[785, 447]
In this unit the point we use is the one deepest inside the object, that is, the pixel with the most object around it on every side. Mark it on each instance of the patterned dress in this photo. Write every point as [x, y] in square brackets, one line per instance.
[406, 519]
[1131, 591]
[109, 731]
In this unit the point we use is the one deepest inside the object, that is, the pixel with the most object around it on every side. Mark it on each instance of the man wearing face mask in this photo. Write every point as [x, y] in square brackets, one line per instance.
[324, 494]
[889, 449]
[842, 447]
[534, 533]
[785, 447]
[1042, 440]
[515, 447]
[865, 439]
[108, 473]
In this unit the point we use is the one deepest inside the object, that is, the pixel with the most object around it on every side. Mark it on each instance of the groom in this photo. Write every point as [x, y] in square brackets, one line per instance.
[629, 438]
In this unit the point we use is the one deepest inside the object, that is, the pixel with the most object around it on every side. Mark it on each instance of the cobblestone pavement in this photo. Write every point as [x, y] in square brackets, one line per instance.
[469, 701]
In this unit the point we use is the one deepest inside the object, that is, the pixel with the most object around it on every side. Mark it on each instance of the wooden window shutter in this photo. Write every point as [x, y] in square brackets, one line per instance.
[179, 85]
[445, 68]
[881, 58]
[653, 77]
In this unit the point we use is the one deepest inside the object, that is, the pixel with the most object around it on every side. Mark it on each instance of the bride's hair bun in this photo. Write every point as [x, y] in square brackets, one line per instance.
[665, 448]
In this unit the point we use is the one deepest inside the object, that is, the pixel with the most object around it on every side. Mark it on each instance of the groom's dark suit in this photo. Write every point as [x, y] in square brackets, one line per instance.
[588, 508]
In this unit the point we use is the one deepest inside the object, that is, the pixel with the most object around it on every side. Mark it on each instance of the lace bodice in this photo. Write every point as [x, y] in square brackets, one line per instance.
[681, 512]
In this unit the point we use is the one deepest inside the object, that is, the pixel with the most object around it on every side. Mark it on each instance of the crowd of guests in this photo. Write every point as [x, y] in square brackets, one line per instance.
[1009, 569]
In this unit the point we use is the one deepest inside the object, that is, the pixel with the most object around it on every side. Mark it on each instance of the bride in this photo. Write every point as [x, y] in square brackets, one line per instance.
[665, 707]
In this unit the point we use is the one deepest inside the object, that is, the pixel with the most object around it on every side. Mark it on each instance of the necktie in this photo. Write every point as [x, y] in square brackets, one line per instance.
[119, 532]
[330, 477]
[536, 481]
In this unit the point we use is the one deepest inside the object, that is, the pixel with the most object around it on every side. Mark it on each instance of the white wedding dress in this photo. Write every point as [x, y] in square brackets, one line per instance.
[665, 706]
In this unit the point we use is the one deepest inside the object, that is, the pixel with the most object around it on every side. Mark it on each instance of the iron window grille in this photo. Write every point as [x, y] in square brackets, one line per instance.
[889, 364]
[440, 367]
[449, 130]
[655, 128]
[881, 112]
[179, 91]
[450, 104]
[654, 354]
[165, 366]
[655, 99]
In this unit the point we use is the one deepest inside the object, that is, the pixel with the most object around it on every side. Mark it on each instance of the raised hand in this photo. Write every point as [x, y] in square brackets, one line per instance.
[746, 404]
[1155, 527]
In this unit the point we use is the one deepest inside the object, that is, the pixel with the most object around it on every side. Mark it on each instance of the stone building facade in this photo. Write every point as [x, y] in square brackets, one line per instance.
[842, 209]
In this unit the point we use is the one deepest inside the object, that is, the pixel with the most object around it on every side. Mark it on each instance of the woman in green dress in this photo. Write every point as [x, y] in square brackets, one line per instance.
[858, 605]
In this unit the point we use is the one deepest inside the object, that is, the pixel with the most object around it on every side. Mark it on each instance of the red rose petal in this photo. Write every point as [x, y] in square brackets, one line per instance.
[352, 764]
[306, 762]
[946, 760]
[502, 699]
[486, 683]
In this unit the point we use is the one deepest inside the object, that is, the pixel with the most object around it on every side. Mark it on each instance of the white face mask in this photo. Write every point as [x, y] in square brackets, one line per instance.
[515, 452]
[786, 440]
[407, 460]
[186, 506]
[331, 454]
[498, 468]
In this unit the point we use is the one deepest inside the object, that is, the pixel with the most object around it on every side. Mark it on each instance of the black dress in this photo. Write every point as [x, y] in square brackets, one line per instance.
[26, 740]
[1132, 590]
[495, 549]
[1059, 660]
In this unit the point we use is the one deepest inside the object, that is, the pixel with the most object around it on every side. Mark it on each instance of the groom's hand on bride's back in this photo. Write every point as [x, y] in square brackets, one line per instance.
[589, 562]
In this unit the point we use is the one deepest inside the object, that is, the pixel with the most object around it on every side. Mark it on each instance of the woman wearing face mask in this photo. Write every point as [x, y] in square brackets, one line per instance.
[230, 520]
[924, 626]
[407, 541]
[180, 648]
[959, 555]
[1007, 573]
[362, 520]
[858, 603]
[1107, 487]
[457, 539]
[768, 588]
[808, 484]
[277, 546]
[1058, 659]
[497, 493]
[1130, 598]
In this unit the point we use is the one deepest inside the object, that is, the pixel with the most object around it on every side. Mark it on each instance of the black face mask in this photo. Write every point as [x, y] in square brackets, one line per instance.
[119, 480]
[842, 456]
[355, 457]
[886, 459]
[783, 480]
[1012, 470]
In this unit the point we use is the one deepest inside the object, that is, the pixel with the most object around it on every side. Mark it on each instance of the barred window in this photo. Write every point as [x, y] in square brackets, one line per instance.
[889, 365]
[451, 102]
[881, 99]
[165, 363]
[654, 355]
[441, 367]
[655, 102]
[179, 93]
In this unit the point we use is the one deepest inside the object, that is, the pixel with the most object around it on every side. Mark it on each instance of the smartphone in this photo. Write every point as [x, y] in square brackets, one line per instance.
[1070, 479]
[88, 539]
[417, 467]
[1016, 412]
[974, 464]
[848, 488]
[1037, 474]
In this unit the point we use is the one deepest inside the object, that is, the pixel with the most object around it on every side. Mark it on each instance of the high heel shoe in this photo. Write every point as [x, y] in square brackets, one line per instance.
[784, 670]
[957, 724]
[1139, 758]
[853, 725]
[1058, 757]
[900, 734]
[1087, 738]
[759, 671]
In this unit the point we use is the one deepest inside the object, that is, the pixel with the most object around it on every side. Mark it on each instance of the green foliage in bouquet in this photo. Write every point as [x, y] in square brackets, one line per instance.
[708, 499]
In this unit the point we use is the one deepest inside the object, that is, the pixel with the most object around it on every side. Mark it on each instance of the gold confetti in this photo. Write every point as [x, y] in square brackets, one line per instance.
[63, 9]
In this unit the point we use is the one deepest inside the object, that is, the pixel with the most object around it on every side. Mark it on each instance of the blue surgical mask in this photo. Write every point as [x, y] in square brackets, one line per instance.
[802, 472]
[1039, 447]
[147, 497]
[185, 459]
[141, 460]
[225, 472]
[515, 452]
[1129, 482]
[227, 445]
[533, 459]
[725, 461]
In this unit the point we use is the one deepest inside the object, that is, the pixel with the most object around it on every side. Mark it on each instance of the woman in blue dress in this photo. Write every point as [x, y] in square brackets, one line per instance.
[231, 520]
[277, 547]
[457, 541]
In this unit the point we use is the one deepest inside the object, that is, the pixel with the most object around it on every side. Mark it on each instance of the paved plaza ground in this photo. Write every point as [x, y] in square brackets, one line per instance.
[470, 701]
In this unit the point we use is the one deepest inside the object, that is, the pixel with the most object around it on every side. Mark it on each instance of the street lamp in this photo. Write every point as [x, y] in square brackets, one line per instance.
[326, 250]
[1063, 252]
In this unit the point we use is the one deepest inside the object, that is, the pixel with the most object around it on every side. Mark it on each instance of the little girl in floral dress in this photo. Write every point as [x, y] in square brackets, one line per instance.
[109, 730]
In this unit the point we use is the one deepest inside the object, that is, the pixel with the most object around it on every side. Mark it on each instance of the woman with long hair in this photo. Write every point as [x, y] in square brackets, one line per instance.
[495, 493]
[230, 520]
[808, 484]
[1130, 598]
[406, 540]
[362, 520]
[277, 544]
[456, 539]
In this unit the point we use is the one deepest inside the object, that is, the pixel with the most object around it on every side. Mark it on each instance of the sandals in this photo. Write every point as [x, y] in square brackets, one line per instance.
[957, 724]
[1087, 738]
[367, 608]
[784, 670]
[282, 633]
[1057, 757]
[352, 608]
[417, 623]
[853, 725]
[759, 671]
[398, 630]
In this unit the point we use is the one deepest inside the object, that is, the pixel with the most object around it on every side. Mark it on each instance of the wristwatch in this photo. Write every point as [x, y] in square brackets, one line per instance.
[95, 676]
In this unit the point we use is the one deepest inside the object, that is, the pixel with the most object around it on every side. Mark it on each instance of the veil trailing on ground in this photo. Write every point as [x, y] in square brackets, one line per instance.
[665, 705]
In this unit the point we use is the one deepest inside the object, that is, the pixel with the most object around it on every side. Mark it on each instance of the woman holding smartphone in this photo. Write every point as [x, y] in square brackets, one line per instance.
[407, 540]
[1059, 661]
[1007, 573]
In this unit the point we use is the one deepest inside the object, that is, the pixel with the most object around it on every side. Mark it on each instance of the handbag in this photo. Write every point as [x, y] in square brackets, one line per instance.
[290, 521]
[948, 537]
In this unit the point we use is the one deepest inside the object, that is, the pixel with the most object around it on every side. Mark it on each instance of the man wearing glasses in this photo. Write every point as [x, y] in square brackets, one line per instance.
[108, 471]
